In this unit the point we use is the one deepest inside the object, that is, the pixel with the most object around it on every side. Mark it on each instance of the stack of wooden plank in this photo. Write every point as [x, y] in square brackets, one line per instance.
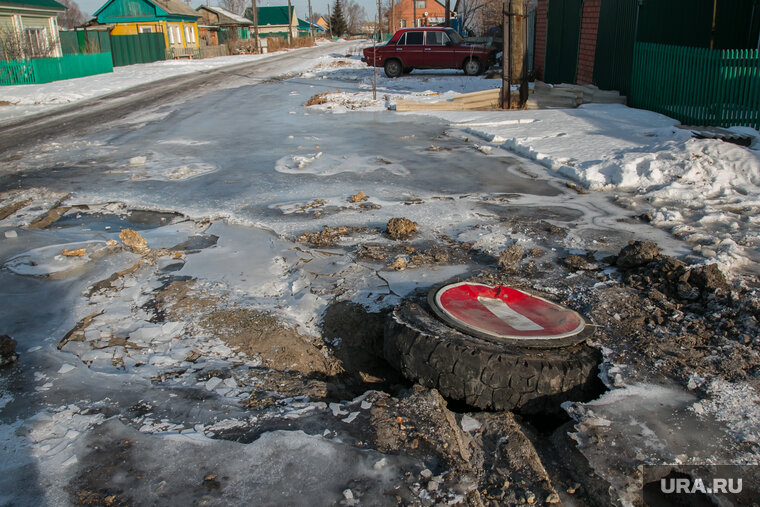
[541, 96]
[475, 101]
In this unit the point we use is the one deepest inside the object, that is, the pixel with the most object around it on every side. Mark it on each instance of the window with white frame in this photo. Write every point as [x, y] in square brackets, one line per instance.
[146, 29]
[402, 23]
[170, 33]
[189, 34]
[419, 4]
[36, 39]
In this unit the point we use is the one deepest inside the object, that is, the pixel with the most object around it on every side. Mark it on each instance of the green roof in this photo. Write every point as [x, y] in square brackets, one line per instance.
[44, 4]
[277, 15]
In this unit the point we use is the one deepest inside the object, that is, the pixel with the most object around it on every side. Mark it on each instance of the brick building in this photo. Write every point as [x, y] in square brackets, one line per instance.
[428, 13]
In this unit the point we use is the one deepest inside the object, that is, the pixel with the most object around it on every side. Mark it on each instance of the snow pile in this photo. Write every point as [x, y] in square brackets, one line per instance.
[705, 191]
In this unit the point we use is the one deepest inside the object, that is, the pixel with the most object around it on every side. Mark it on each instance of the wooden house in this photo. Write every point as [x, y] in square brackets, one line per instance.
[29, 29]
[274, 21]
[176, 20]
[213, 19]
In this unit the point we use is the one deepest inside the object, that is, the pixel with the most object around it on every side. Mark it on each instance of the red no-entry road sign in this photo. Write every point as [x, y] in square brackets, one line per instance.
[506, 314]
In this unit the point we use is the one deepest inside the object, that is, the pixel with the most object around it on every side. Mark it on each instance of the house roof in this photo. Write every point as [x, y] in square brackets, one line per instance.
[117, 11]
[175, 7]
[277, 15]
[304, 25]
[225, 17]
[43, 4]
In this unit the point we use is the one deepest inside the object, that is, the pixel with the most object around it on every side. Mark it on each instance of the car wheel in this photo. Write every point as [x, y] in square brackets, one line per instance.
[407, 70]
[472, 67]
[485, 374]
[393, 68]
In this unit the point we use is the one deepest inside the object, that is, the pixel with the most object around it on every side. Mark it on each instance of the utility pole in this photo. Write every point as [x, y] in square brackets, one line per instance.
[448, 13]
[290, 25]
[516, 39]
[379, 17]
[311, 22]
[329, 20]
[255, 16]
[506, 56]
[514, 62]
[414, 10]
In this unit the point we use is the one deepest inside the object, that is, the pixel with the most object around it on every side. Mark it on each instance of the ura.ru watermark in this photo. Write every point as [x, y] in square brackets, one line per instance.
[664, 485]
[684, 485]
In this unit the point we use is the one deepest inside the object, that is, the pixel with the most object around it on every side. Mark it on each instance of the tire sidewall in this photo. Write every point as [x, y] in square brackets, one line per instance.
[393, 68]
[472, 61]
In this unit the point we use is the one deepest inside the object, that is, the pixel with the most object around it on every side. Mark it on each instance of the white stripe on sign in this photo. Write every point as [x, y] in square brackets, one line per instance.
[502, 310]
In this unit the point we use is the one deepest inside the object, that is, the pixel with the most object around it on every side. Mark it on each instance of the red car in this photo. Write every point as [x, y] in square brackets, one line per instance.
[429, 48]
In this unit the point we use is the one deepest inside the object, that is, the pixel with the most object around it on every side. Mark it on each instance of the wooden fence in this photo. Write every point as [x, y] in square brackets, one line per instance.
[697, 86]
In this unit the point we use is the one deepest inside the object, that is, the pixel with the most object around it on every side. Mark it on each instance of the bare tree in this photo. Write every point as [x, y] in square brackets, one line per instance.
[72, 17]
[355, 16]
[470, 10]
[234, 6]
[34, 43]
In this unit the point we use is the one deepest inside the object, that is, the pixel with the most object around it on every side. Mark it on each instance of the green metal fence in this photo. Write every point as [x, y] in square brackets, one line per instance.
[697, 86]
[45, 70]
[85, 41]
[140, 48]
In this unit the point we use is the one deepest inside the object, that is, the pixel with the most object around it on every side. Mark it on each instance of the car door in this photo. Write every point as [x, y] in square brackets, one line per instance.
[437, 52]
[414, 47]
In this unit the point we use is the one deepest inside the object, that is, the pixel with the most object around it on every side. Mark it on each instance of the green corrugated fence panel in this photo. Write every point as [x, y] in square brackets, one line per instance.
[140, 48]
[698, 86]
[45, 70]
[69, 42]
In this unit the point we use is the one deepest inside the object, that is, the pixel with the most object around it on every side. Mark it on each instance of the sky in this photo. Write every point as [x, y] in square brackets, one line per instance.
[302, 9]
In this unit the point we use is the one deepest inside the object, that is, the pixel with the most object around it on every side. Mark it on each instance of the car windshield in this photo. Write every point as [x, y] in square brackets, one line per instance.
[455, 37]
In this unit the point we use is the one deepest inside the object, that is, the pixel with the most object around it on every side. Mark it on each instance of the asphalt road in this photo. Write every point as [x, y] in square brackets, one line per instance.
[81, 117]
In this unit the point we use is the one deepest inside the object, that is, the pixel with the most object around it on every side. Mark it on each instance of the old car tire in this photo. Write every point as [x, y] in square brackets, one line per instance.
[472, 67]
[484, 374]
[393, 68]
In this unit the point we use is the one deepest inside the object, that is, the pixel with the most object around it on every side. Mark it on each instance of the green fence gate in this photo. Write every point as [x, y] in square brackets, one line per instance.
[698, 86]
[613, 58]
[140, 48]
[563, 37]
[45, 70]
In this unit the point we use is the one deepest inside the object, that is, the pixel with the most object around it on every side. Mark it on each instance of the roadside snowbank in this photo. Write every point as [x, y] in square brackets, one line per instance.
[705, 191]
[24, 100]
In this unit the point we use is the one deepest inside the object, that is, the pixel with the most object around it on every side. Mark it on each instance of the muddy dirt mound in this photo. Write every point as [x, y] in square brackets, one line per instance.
[510, 256]
[445, 251]
[638, 253]
[485, 457]
[329, 236]
[261, 334]
[180, 300]
[401, 228]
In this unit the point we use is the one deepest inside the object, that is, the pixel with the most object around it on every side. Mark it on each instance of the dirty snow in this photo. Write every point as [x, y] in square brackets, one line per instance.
[706, 192]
